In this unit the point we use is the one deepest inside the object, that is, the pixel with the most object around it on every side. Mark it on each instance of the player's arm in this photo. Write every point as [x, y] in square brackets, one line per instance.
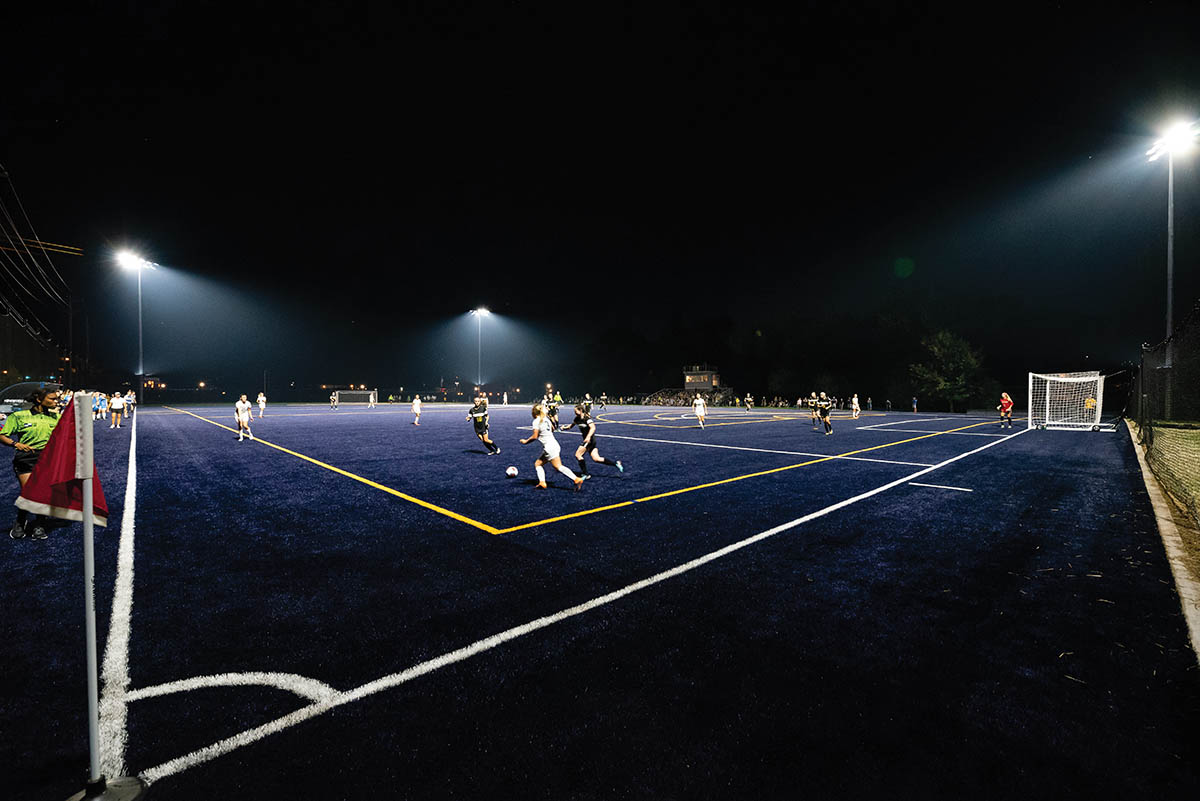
[591, 431]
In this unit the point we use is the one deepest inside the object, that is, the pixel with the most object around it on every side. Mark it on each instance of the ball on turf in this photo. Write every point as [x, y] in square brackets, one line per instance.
[511, 472]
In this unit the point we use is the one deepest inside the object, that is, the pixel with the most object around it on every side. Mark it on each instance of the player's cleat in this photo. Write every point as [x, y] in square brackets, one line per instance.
[17, 532]
[541, 485]
[620, 467]
[496, 452]
[578, 484]
[38, 533]
[585, 476]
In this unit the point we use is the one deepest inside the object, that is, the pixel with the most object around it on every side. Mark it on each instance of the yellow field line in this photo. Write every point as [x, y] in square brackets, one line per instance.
[348, 474]
[735, 478]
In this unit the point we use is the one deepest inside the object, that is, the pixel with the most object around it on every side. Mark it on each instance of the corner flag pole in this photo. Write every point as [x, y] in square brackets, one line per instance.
[96, 787]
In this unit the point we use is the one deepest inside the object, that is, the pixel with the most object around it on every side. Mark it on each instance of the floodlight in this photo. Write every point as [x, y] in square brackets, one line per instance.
[129, 261]
[1177, 140]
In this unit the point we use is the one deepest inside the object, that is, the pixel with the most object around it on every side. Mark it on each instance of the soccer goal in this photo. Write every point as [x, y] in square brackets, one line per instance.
[1066, 400]
[357, 396]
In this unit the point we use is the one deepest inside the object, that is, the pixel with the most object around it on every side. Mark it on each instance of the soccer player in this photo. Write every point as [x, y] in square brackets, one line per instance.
[914, 404]
[812, 408]
[587, 402]
[103, 406]
[749, 401]
[550, 406]
[242, 413]
[1005, 408]
[130, 403]
[478, 414]
[262, 404]
[823, 406]
[372, 399]
[854, 407]
[333, 400]
[416, 409]
[604, 401]
[700, 408]
[27, 431]
[543, 431]
[118, 408]
[504, 402]
[587, 427]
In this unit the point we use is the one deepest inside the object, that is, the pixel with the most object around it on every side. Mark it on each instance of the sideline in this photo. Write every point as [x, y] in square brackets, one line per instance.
[225, 746]
[1185, 583]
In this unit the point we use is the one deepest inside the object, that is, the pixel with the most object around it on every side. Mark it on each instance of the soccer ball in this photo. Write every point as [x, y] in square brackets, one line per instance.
[511, 472]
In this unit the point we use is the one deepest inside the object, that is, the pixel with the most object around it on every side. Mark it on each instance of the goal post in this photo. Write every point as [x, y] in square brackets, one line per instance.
[1072, 401]
[357, 396]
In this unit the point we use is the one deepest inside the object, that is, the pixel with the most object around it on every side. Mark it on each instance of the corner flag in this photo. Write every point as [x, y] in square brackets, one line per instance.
[55, 488]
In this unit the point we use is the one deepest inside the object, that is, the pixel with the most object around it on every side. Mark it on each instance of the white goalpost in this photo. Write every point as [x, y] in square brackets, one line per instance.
[1066, 400]
[357, 396]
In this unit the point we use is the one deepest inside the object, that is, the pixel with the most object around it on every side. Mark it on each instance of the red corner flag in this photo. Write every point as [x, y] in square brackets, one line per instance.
[55, 488]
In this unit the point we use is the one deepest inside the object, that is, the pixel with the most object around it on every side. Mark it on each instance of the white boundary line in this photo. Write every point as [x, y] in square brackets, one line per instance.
[1187, 585]
[765, 450]
[221, 747]
[926, 431]
[941, 486]
[113, 702]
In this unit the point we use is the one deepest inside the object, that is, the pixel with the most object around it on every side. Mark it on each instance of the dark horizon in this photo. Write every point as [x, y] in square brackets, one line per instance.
[798, 191]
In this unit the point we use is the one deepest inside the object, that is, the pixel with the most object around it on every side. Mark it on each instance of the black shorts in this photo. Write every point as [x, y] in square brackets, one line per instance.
[823, 412]
[588, 446]
[481, 431]
[23, 461]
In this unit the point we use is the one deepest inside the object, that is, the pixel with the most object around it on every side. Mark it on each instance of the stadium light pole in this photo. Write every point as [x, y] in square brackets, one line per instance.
[132, 261]
[479, 314]
[1176, 141]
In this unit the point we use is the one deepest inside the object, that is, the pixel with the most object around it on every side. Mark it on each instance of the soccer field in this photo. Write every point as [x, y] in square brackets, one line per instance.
[352, 606]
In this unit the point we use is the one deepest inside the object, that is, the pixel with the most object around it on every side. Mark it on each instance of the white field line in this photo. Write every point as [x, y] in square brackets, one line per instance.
[926, 431]
[766, 450]
[221, 747]
[303, 686]
[113, 702]
[1187, 584]
[907, 421]
[941, 486]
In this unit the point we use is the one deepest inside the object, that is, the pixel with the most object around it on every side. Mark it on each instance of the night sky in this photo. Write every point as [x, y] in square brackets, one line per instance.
[796, 197]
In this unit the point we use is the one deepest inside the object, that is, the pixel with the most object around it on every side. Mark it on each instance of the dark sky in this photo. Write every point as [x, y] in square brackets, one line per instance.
[334, 185]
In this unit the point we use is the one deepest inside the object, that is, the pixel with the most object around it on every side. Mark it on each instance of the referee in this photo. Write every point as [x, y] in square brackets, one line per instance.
[27, 433]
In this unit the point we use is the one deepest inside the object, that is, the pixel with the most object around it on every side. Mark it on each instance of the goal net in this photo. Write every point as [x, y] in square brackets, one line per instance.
[357, 396]
[1066, 400]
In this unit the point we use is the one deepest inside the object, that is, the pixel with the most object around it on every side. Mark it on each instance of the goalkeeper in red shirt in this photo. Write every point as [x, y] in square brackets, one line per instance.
[1005, 408]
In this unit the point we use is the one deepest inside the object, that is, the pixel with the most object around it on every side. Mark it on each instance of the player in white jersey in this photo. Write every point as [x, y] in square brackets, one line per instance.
[700, 408]
[543, 431]
[262, 404]
[854, 407]
[372, 399]
[241, 413]
[416, 409]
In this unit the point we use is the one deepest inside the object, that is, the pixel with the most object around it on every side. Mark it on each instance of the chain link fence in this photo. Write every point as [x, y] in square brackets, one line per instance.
[1166, 410]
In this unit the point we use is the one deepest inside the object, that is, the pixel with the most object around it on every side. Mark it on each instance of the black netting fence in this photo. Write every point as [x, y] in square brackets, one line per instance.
[1166, 412]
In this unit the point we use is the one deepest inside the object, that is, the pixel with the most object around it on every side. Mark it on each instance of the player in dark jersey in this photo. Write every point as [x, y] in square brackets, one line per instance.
[586, 403]
[550, 404]
[749, 401]
[478, 414]
[823, 406]
[604, 401]
[587, 427]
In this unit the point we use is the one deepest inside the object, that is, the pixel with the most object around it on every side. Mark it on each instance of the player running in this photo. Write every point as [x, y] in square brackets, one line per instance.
[700, 409]
[543, 431]
[478, 414]
[333, 400]
[416, 409]
[262, 404]
[242, 414]
[854, 407]
[587, 427]
[604, 401]
[749, 402]
[823, 406]
[1005, 408]
[587, 402]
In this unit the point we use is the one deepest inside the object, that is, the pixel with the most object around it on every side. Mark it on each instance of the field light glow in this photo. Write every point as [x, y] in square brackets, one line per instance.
[1180, 138]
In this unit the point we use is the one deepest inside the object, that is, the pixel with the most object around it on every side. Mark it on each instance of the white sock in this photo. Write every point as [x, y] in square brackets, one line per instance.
[566, 471]
[541, 474]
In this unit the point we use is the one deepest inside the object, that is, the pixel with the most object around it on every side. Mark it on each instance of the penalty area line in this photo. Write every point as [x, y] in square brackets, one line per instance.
[229, 744]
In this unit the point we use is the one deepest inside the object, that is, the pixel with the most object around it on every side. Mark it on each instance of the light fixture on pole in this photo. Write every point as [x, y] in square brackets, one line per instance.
[132, 261]
[479, 314]
[1179, 139]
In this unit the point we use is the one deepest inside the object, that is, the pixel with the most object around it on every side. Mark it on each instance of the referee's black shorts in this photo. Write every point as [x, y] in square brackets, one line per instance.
[23, 461]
